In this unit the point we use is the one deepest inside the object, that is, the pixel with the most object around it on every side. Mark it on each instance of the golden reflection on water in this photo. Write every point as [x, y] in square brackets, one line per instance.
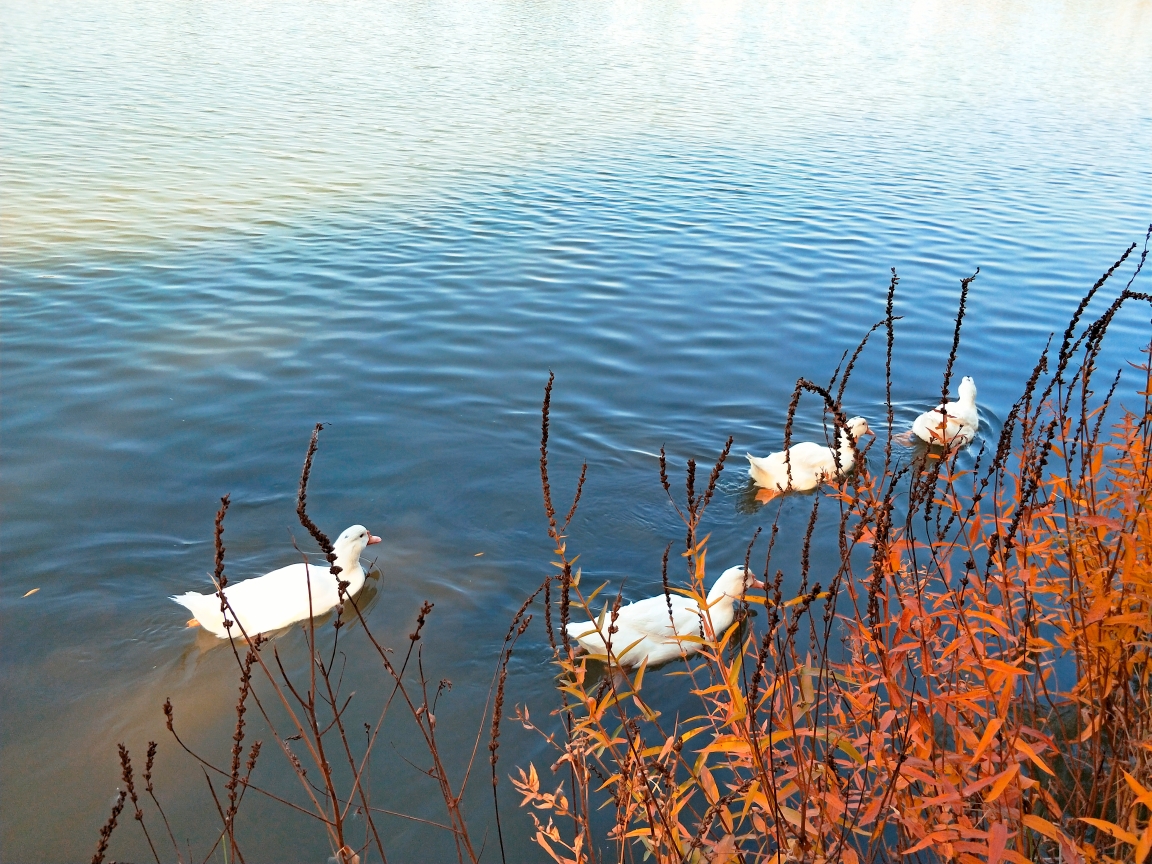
[141, 126]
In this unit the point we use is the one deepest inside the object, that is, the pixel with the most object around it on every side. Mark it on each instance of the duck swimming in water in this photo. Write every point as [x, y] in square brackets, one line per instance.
[811, 464]
[953, 423]
[648, 632]
[277, 599]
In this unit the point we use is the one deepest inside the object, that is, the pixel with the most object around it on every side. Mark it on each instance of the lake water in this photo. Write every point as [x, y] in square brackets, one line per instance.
[223, 222]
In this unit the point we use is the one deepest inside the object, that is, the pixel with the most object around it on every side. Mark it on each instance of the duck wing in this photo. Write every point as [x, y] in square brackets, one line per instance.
[269, 602]
[646, 619]
[965, 414]
[807, 462]
[811, 463]
[767, 471]
[933, 428]
[645, 630]
[650, 617]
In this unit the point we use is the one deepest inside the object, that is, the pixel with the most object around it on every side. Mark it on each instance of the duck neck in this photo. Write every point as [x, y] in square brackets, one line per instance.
[846, 455]
[350, 569]
[721, 609]
[725, 586]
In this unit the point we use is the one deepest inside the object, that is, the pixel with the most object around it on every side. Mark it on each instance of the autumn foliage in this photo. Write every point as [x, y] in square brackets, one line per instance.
[972, 682]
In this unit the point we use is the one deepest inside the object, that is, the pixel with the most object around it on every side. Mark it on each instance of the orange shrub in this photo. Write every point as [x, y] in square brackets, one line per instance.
[990, 700]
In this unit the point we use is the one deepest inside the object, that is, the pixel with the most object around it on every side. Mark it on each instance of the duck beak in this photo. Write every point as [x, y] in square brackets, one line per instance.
[372, 539]
[758, 583]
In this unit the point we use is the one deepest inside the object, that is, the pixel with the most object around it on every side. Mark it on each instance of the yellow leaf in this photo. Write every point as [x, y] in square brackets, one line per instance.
[711, 794]
[592, 596]
[30, 593]
[640, 674]
[1115, 830]
[790, 815]
[1143, 796]
[1023, 747]
[846, 745]
[687, 638]
[807, 691]
[796, 601]
[734, 673]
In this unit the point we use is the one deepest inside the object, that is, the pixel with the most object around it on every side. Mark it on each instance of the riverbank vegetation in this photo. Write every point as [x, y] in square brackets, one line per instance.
[971, 683]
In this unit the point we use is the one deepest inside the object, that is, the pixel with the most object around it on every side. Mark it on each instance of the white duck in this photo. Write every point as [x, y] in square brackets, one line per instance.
[811, 463]
[648, 624]
[277, 599]
[960, 425]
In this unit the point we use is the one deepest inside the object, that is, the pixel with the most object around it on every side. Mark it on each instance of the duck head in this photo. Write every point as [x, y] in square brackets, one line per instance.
[734, 582]
[350, 545]
[857, 427]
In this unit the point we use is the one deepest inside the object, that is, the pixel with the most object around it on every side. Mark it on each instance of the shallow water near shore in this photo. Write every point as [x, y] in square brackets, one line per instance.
[225, 222]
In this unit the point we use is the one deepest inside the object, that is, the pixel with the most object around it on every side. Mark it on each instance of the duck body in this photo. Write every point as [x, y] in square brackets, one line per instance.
[277, 599]
[648, 624]
[811, 463]
[953, 423]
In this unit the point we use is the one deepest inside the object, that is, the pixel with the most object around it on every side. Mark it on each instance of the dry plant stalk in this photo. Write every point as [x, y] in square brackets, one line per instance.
[971, 685]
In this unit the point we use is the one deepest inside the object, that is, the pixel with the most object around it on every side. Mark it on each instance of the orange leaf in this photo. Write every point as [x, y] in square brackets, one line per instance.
[1145, 844]
[1001, 783]
[1043, 826]
[1143, 796]
[997, 840]
[986, 739]
[935, 836]
[1001, 666]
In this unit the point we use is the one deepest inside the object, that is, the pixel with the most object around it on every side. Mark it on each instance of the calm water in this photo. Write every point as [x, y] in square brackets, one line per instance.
[224, 222]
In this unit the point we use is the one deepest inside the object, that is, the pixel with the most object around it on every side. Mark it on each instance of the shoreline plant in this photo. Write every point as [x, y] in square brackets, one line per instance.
[971, 684]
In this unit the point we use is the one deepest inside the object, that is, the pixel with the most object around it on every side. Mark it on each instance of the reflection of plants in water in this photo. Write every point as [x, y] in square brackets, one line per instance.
[971, 683]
